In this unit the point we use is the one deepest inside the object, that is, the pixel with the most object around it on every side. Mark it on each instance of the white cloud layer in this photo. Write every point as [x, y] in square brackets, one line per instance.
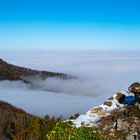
[100, 74]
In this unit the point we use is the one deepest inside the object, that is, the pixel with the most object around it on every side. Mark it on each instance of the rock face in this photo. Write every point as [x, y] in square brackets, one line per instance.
[108, 103]
[128, 125]
[99, 111]
[12, 72]
[134, 88]
[119, 96]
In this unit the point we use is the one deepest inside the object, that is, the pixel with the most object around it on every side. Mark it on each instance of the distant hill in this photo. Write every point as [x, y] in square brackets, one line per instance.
[12, 72]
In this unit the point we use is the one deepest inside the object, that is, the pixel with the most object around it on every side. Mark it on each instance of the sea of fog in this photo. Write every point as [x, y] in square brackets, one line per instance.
[99, 74]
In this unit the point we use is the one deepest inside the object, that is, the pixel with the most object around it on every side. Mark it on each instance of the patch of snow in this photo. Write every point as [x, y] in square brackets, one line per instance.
[90, 118]
[86, 120]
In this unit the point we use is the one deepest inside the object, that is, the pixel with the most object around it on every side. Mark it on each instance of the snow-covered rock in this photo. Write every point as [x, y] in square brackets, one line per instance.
[94, 114]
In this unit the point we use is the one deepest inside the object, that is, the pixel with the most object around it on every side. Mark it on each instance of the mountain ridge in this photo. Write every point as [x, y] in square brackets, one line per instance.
[13, 72]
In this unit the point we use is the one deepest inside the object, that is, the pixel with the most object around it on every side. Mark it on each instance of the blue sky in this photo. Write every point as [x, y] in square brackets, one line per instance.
[76, 24]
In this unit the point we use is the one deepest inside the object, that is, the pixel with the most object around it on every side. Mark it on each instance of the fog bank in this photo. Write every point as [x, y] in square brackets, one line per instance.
[100, 74]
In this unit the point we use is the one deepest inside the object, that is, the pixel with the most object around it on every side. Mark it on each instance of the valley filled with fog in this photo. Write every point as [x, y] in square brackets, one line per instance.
[99, 74]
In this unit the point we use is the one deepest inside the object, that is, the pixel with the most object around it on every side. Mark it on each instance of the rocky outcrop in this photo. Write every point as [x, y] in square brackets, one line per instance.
[134, 88]
[117, 119]
[119, 96]
[99, 111]
[127, 124]
[108, 103]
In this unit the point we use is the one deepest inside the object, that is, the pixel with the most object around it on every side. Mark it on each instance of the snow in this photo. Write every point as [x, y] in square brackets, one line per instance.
[89, 118]
[86, 120]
